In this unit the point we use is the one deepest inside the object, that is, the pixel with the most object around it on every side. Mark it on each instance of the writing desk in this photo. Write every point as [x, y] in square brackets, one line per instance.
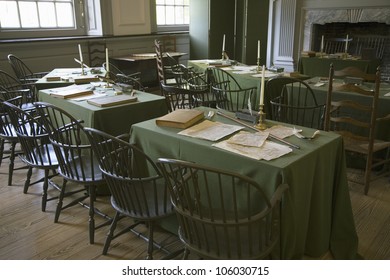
[316, 214]
[144, 63]
[114, 120]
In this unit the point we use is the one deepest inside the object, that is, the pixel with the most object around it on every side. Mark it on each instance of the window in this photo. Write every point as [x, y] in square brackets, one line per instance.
[172, 15]
[35, 18]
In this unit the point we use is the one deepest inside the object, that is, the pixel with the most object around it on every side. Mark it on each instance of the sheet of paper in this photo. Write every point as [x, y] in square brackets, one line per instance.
[268, 74]
[280, 131]
[268, 151]
[245, 138]
[209, 130]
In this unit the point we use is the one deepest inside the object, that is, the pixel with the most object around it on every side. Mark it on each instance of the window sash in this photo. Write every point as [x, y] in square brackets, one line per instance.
[74, 26]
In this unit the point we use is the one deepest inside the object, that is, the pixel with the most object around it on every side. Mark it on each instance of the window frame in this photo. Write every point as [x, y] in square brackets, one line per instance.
[164, 28]
[78, 30]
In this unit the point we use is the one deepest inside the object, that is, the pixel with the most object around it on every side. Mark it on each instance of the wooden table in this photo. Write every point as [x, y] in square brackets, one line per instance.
[316, 213]
[144, 63]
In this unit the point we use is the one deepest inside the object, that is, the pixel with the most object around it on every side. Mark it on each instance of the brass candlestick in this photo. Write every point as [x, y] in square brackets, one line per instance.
[82, 69]
[223, 55]
[259, 68]
[261, 123]
[107, 78]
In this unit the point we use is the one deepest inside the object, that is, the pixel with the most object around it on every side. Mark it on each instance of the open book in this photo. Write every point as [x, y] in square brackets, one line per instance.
[180, 118]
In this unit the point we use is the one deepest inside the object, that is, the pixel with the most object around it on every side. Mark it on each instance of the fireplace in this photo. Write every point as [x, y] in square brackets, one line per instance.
[357, 23]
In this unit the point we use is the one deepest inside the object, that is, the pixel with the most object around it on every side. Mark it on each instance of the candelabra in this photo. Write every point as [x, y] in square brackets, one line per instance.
[261, 122]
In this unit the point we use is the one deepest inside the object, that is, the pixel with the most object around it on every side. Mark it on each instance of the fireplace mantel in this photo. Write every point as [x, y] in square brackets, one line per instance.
[351, 15]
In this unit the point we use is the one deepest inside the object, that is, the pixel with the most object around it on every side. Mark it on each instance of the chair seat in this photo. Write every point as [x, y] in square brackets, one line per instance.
[81, 166]
[361, 146]
[46, 159]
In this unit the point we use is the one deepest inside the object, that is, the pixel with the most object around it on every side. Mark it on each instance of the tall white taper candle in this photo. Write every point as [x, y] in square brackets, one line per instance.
[258, 48]
[223, 43]
[262, 86]
[346, 44]
[107, 61]
[81, 55]
[322, 43]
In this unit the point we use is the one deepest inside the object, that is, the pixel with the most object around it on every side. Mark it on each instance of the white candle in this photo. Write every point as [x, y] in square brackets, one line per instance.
[346, 44]
[81, 55]
[262, 86]
[223, 43]
[258, 48]
[107, 61]
[322, 43]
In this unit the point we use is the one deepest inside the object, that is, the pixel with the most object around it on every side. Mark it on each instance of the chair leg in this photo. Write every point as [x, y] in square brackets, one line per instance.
[45, 187]
[28, 179]
[60, 202]
[110, 234]
[367, 174]
[11, 164]
[2, 141]
[92, 197]
[186, 253]
[150, 242]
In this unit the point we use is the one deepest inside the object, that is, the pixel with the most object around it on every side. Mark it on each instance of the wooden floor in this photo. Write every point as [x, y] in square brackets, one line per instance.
[27, 233]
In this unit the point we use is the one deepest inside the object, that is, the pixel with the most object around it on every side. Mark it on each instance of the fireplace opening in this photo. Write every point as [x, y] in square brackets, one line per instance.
[363, 35]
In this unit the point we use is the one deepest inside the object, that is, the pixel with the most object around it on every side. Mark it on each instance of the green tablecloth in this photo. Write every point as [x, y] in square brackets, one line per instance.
[319, 67]
[65, 77]
[114, 120]
[316, 214]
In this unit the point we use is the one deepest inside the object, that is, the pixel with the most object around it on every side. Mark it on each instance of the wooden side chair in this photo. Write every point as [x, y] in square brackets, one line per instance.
[221, 214]
[293, 101]
[118, 76]
[138, 189]
[229, 95]
[8, 137]
[355, 119]
[336, 45]
[96, 53]
[38, 152]
[77, 161]
[168, 43]
[24, 74]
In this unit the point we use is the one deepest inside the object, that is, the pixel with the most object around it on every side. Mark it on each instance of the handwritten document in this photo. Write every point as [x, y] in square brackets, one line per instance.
[212, 131]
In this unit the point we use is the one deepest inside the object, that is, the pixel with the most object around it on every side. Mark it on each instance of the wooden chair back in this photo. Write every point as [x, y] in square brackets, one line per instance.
[221, 214]
[96, 53]
[354, 117]
[229, 94]
[136, 184]
[293, 101]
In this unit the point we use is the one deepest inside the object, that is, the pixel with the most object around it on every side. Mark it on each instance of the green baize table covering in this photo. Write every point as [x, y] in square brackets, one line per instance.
[316, 210]
[315, 66]
[114, 120]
